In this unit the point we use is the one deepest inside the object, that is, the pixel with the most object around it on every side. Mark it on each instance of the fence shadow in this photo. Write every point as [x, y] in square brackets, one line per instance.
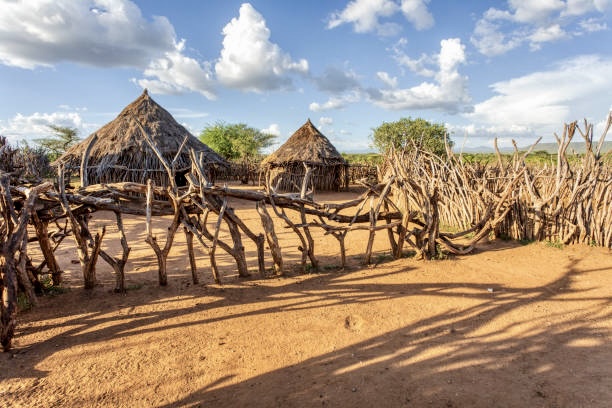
[452, 358]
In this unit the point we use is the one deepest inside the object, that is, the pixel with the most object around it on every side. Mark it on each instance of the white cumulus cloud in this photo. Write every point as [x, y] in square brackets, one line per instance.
[535, 23]
[417, 13]
[448, 92]
[366, 16]
[534, 11]
[326, 121]
[546, 34]
[91, 32]
[419, 66]
[363, 14]
[592, 25]
[336, 102]
[175, 73]
[387, 79]
[336, 80]
[36, 125]
[542, 101]
[273, 129]
[249, 60]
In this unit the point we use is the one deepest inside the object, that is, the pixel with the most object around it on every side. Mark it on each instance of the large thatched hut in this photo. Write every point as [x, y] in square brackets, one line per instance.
[285, 167]
[119, 151]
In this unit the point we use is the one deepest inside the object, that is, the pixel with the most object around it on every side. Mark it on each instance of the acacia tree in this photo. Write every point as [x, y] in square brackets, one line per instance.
[406, 131]
[63, 137]
[236, 141]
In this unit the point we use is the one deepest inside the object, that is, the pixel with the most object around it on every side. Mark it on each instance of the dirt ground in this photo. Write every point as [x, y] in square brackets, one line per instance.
[508, 326]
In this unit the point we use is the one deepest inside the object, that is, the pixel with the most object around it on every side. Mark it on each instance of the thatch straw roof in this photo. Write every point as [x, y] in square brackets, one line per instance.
[121, 152]
[306, 145]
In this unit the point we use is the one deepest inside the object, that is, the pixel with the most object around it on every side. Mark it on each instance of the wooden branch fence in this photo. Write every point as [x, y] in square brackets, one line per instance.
[423, 198]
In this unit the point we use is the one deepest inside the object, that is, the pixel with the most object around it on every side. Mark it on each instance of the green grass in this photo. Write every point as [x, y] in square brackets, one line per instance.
[134, 286]
[440, 254]
[49, 288]
[363, 158]
[555, 244]
[23, 304]
[381, 258]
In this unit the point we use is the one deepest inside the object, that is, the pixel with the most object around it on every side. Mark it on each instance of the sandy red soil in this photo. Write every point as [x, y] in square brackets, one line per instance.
[508, 326]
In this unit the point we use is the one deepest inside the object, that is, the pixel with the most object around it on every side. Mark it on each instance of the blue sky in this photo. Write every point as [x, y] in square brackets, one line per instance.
[507, 69]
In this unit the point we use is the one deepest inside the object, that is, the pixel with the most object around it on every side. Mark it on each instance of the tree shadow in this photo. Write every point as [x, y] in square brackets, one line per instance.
[520, 364]
[515, 364]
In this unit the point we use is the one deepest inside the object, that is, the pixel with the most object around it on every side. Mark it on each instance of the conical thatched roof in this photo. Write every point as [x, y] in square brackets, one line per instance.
[306, 145]
[121, 152]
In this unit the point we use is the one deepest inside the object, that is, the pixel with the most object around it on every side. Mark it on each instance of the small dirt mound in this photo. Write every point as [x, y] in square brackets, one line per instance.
[353, 323]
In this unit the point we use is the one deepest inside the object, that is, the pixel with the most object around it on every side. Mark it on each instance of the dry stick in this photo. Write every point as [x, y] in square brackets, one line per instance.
[162, 254]
[118, 264]
[500, 162]
[178, 153]
[192, 260]
[272, 239]
[603, 136]
[310, 248]
[8, 271]
[188, 224]
[238, 249]
[13, 239]
[493, 217]
[281, 214]
[213, 261]
[337, 232]
[202, 233]
[42, 233]
[340, 236]
[331, 228]
[605, 214]
[434, 224]
[85, 161]
[402, 229]
[368, 254]
[310, 207]
[607, 220]
[177, 204]
[304, 192]
[390, 235]
[82, 237]
[234, 224]
[25, 279]
[383, 199]
[261, 262]
[215, 239]
[169, 169]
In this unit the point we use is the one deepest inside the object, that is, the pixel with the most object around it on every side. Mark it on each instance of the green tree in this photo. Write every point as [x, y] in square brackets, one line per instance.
[63, 137]
[236, 141]
[406, 131]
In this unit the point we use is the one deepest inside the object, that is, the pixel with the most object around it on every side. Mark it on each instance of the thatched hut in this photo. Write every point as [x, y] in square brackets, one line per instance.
[119, 151]
[285, 167]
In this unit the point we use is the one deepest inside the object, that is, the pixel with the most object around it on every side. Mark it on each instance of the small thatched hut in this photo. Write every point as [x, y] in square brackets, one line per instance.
[285, 167]
[119, 151]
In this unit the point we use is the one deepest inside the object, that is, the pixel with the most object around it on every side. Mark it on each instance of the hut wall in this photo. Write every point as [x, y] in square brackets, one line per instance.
[325, 177]
[359, 172]
[97, 175]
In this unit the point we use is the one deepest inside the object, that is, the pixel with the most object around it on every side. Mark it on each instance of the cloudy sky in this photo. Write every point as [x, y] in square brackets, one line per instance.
[508, 69]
